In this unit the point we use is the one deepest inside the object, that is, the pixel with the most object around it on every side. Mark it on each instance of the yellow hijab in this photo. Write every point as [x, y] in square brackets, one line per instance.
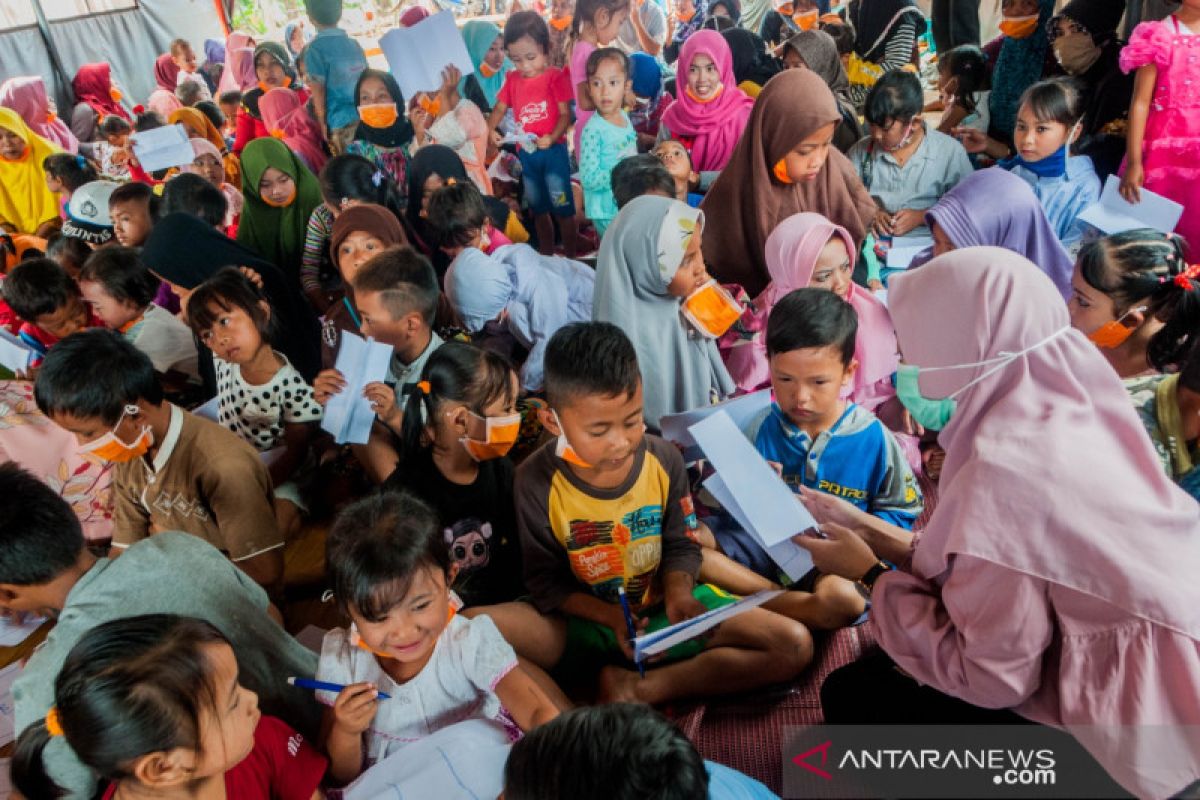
[24, 199]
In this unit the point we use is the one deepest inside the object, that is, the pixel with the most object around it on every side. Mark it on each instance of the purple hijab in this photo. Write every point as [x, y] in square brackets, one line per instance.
[214, 52]
[993, 207]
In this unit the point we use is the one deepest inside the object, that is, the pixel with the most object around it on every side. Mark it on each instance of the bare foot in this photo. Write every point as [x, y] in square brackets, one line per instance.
[618, 685]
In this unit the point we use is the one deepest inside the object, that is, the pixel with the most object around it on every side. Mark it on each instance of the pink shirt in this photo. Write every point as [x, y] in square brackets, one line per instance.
[579, 58]
[534, 101]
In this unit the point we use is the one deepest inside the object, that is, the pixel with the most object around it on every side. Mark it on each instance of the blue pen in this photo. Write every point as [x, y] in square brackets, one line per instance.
[629, 624]
[350, 308]
[309, 683]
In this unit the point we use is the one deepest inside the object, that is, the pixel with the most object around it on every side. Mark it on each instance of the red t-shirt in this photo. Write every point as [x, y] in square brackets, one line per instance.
[534, 101]
[282, 766]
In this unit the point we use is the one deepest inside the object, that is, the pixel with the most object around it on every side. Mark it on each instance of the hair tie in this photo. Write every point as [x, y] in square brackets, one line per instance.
[139, 109]
[451, 181]
[53, 726]
[377, 178]
[424, 387]
[1184, 279]
[278, 133]
[81, 162]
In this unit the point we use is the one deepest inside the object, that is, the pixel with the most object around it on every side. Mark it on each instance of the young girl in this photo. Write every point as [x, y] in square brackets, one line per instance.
[710, 112]
[112, 153]
[1135, 297]
[648, 264]
[595, 24]
[539, 96]
[391, 571]
[64, 174]
[208, 165]
[609, 135]
[446, 117]
[384, 133]
[1163, 125]
[287, 119]
[199, 126]
[1169, 407]
[964, 88]
[154, 706]
[280, 195]
[26, 201]
[262, 397]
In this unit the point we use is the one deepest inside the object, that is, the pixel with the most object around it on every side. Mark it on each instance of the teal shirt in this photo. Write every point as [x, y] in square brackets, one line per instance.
[335, 61]
[601, 148]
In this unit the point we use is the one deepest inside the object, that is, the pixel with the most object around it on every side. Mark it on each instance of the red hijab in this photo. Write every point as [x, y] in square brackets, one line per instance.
[165, 72]
[93, 85]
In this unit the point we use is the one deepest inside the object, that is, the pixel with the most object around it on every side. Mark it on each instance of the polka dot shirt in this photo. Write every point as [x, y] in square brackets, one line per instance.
[258, 413]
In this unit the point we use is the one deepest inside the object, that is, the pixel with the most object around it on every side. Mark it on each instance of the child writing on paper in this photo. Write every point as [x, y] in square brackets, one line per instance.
[391, 573]
[41, 293]
[608, 136]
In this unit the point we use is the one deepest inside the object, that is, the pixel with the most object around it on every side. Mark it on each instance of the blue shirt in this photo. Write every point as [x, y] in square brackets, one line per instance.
[729, 784]
[1064, 198]
[335, 61]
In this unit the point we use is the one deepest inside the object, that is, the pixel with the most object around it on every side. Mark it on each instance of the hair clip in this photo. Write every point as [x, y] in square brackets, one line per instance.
[424, 387]
[377, 178]
[326, 595]
[81, 162]
[139, 109]
[53, 726]
[1184, 279]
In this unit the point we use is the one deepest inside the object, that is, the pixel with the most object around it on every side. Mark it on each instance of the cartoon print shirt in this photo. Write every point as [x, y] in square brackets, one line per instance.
[534, 101]
[577, 538]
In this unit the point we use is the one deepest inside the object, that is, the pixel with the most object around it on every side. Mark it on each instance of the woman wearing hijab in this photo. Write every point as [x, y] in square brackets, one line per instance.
[817, 51]
[1020, 56]
[682, 29]
[207, 163]
[293, 38]
[163, 100]
[886, 34]
[25, 201]
[199, 126]
[1047, 472]
[214, 64]
[730, 9]
[238, 68]
[709, 127]
[287, 119]
[273, 70]
[96, 96]
[280, 193]
[783, 165]
[27, 96]
[752, 65]
[384, 136]
[207, 250]
[995, 208]
[647, 244]
[485, 44]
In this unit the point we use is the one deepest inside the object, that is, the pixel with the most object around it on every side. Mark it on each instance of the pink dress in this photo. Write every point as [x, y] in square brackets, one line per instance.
[1171, 149]
[579, 58]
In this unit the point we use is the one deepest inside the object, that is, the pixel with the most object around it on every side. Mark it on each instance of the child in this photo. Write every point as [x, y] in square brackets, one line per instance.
[459, 427]
[42, 294]
[208, 165]
[539, 96]
[154, 705]
[648, 264]
[280, 195]
[87, 213]
[562, 14]
[1169, 407]
[68, 252]
[261, 397]
[446, 117]
[595, 24]
[184, 57]
[194, 195]
[231, 104]
[189, 93]
[647, 98]
[609, 135]
[173, 471]
[391, 572]
[121, 292]
[678, 161]
[964, 88]
[529, 295]
[639, 175]
[113, 152]
[65, 173]
[333, 62]
[133, 208]
[786, 19]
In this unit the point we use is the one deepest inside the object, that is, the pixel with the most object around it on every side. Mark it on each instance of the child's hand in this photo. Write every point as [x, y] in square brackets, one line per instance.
[621, 630]
[451, 75]
[907, 219]
[683, 606]
[882, 226]
[1131, 182]
[120, 157]
[252, 276]
[355, 707]
[973, 140]
[544, 142]
[383, 402]
[327, 383]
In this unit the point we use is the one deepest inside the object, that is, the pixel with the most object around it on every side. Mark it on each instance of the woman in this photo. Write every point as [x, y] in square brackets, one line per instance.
[287, 119]
[198, 126]
[273, 70]
[25, 201]
[1019, 56]
[784, 164]
[96, 96]
[163, 100]
[384, 136]
[817, 51]
[275, 216]
[886, 34]
[752, 65]
[730, 9]
[1047, 472]
[214, 64]
[205, 154]
[238, 75]
[293, 38]
[27, 96]
[485, 44]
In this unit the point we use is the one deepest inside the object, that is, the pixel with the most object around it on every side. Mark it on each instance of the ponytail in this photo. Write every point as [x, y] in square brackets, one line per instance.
[352, 177]
[28, 767]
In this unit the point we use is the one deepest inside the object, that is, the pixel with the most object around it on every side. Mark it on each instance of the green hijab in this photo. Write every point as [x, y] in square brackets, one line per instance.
[276, 234]
[479, 36]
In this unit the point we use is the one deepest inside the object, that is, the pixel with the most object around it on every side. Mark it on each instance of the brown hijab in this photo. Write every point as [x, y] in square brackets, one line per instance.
[749, 201]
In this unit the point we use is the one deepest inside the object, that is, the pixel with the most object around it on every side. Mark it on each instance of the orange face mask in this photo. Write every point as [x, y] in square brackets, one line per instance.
[486, 69]
[561, 23]
[806, 20]
[1019, 27]
[290, 199]
[711, 310]
[786, 9]
[264, 87]
[115, 94]
[111, 449]
[51, 117]
[500, 437]
[563, 449]
[780, 171]
[430, 107]
[356, 638]
[379, 115]
[1112, 335]
[703, 100]
[686, 16]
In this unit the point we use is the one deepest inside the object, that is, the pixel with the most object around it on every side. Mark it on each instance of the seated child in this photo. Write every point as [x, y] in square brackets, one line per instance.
[638, 175]
[184, 57]
[605, 509]
[66, 172]
[528, 294]
[41, 293]
[121, 290]
[173, 471]
[261, 397]
[133, 208]
[114, 151]
[154, 705]
[608, 136]
[1169, 407]
[68, 252]
[678, 162]
[189, 93]
[192, 194]
[459, 427]
[964, 87]
[391, 571]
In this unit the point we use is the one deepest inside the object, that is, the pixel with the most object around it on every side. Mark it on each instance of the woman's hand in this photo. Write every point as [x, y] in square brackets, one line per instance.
[973, 140]
[827, 508]
[1131, 182]
[843, 552]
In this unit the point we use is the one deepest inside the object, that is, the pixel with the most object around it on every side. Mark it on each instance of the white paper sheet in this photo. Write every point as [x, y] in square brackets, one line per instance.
[742, 410]
[348, 415]
[12, 635]
[464, 761]
[790, 557]
[665, 639]
[1112, 214]
[417, 55]
[160, 148]
[905, 248]
[15, 355]
[7, 720]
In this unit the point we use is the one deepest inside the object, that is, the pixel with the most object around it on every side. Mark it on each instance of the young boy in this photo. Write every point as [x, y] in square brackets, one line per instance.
[173, 471]
[605, 509]
[678, 162]
[133, 208]
[184, 57]
[41, 293]
[638, 175]
[333, 62]
[458, 220]
[46, 569]
[397, 297]
[822, 441]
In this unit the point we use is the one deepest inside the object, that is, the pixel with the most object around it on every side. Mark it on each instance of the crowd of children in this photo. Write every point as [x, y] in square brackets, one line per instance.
[623, 213]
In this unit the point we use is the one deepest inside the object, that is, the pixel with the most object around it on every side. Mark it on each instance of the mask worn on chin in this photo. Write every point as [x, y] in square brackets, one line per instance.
[711, 310]
[686, 16]
[781, 173]
[501, 435]
[807, 20]
[115, 94]
[379, 115]
[1052, 166]
[906, 139]
[563, 449]
[1019, 27]
[290, 199]
[1112, 335]
[264, 88]
[560, 23]
[935, 414]
[111, 449]
[704, 100]
[486, 69]
[1076, 52]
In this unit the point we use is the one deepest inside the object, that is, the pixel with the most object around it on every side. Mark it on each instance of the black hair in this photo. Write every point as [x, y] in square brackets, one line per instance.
[129, 687]
[40, 536]
[376, 546]
[607, 54]
[189, 93]
[324, 12]
[564, 757]
[136, 191]
[122, 274]
[69, 252]
[638, 175]
[95, 374]
[112, 125]
[585, 11]
[1189, 370]
[405, 280]
[193, 194]
[843, 34]
[897, 96]
[593, 358]
[148, 121]
[232, 97]
[968, 65]
[1056, 100]
[72, 170]
[455, 213]
[38, 286]
[1145, 267]
[812, 318]
[211, 110]
[352, 177]
[531, 24]
[456, 372]
[225, 291]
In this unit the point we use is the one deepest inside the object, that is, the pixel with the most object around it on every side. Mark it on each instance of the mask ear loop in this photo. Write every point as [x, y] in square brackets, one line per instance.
[1001, 360]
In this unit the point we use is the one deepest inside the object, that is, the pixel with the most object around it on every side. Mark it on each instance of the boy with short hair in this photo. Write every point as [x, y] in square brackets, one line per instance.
[458, 220]
[607, 508]
[41, 293]
[173, 470]
[133, 207]
[333, 62]
[638, 175]
[231, 104]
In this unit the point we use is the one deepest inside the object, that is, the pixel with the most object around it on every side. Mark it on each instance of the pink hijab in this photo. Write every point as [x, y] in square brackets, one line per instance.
[163, 100]
[791, 254]
[287, 119]
[27, 97]
[239, 49]
[233, 195]
[715, 126]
